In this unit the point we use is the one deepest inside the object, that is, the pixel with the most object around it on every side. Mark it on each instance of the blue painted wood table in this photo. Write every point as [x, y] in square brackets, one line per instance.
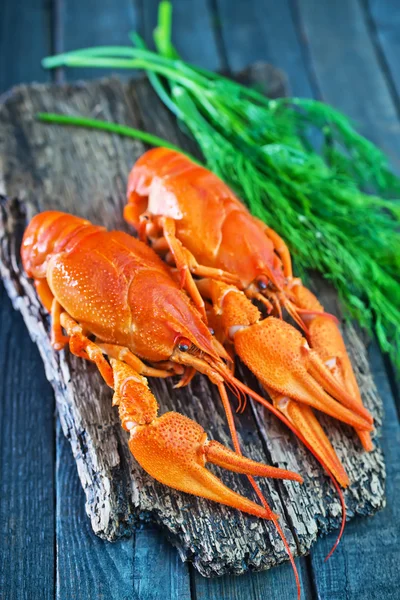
[344, 52]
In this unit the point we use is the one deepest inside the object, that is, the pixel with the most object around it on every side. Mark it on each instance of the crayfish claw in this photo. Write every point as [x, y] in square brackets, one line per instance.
[219, 455]
[332, 385]
[326, 339]
[174, 450]
[279, 356]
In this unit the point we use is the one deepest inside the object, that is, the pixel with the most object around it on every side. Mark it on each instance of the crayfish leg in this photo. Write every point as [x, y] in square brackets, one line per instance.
[58, 340]
[181, 261]
[280, 248]
[123, 354]
[81, 346]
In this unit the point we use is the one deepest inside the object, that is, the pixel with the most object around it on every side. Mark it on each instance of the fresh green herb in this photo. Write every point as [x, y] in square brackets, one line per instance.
[298, 164]
[124, 130]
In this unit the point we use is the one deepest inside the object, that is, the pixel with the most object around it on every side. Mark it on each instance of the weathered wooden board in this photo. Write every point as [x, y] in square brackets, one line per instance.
[85, 173]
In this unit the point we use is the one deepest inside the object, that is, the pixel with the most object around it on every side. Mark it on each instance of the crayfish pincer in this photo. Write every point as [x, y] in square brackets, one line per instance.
[93, 283]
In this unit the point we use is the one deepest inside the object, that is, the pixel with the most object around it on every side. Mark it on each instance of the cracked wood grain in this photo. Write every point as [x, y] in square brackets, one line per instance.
[82, 172]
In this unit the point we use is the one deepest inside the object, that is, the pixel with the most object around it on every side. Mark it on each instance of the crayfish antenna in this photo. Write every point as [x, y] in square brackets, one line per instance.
[294, 568]
[241, 398]
[236, 444]
[293, 312]
[343, 523]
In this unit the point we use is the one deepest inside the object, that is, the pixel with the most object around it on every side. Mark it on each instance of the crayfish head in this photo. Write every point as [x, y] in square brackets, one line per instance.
[164, 315]
[210, 364]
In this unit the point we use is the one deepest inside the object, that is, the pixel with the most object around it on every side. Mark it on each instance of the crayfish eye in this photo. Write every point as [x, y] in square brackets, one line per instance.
[262, 283]
[184, 344]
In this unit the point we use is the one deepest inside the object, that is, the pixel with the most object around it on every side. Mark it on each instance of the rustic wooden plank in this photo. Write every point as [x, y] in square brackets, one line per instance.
[76, 543]
[366, 565]
[158, 571]
[27, 556]
[58, 36]
[24, 40]
[344, 60]
[87, 567]
[254, 31]
[192, 31]
[384, 17]
[215, 538]
[27, 462]
[81, 441]
[91, 23]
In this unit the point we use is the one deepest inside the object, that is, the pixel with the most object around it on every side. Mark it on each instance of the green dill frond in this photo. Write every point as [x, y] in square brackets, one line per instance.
[298, 164]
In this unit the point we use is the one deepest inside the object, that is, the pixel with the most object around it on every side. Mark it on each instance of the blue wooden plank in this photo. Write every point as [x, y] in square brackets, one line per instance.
[367, 561]
[93, 23]
[348, 70]
[254, 31]
[384, 18]
[159, 573]
[276, 584]
[26, 464]
[192, 31]
[25, 37]
[87, 567]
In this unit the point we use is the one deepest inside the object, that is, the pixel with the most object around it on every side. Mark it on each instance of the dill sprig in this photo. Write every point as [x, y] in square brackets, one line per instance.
[298, 164]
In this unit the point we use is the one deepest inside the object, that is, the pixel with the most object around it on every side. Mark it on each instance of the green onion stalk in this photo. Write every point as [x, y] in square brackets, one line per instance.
[298, 164]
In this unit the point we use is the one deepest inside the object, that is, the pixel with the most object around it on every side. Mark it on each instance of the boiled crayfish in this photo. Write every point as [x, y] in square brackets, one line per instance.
[194, 220]
[93, 283]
